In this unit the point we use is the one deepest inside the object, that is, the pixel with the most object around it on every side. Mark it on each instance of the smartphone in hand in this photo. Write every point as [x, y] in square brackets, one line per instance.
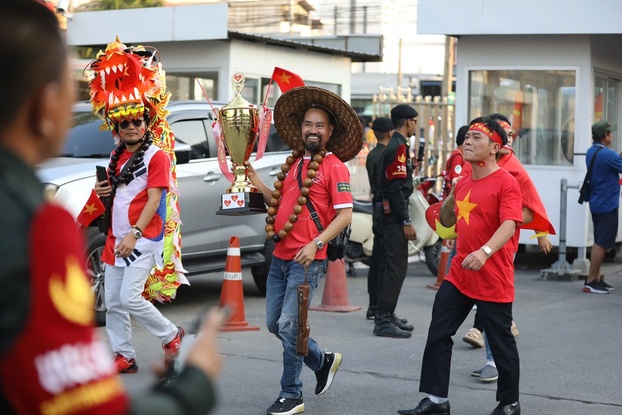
[100, 172]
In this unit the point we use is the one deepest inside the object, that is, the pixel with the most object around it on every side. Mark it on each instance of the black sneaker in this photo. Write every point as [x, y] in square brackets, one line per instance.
[594, 287]
[286, 406]
[326, 374]
[390, 329]
[605, 285]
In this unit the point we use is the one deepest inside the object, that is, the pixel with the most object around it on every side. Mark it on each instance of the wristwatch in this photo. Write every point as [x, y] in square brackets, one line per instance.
[319, 244]
[408, 222]
[487, 250]
[137, 232]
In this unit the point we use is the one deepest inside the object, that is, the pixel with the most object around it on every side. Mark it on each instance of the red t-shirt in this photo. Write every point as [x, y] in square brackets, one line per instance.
[159, 169]
[481, 206]
[59, 364]
[135, 196]
[330, 191]
[453, 169]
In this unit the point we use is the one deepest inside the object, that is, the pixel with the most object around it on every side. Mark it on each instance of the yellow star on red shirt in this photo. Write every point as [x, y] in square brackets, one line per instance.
[465, 207]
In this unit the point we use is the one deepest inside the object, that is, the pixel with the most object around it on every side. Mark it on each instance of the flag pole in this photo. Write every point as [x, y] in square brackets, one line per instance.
[265, 100]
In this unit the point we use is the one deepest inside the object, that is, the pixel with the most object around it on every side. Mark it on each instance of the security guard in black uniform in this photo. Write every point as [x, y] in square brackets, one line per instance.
[382, 128]
[396, 186]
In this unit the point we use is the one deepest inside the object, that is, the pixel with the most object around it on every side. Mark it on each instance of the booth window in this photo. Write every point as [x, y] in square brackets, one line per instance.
[606, 91]
[540, 104]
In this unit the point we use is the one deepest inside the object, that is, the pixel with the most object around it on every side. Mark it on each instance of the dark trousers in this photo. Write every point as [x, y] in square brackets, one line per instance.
[376, 267]
[396, 264]
[450, 309]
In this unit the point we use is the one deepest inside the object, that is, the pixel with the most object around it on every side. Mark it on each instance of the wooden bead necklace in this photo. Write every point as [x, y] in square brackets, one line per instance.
[114, 159]
[302, 199]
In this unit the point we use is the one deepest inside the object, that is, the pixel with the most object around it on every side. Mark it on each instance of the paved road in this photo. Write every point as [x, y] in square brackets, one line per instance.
[569, 345]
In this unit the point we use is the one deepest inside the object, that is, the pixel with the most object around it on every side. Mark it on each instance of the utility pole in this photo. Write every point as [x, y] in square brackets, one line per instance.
[335, 29]
[291, 18]
[448, 74]
[364, 28]
[352, 17]
[399, 64]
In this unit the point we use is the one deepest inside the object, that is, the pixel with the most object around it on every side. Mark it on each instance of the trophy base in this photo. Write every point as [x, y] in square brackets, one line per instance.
[243, 203]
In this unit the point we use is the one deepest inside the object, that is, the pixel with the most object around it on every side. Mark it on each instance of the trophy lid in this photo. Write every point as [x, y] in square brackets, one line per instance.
[237, 82]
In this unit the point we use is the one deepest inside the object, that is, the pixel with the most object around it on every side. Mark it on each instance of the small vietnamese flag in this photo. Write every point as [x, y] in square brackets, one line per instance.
[93, 209]
[286, 80]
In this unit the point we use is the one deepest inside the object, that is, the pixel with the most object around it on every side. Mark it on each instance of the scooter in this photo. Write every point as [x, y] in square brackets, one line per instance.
[361, 242]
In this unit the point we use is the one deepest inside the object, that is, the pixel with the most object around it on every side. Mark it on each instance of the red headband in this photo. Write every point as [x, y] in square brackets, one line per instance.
[493, 135]
[504, 124]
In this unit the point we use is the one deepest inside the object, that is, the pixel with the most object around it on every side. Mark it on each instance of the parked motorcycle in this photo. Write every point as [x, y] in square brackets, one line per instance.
[427, 243]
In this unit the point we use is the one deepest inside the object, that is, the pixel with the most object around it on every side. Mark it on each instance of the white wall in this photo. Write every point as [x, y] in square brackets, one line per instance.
[258, 59]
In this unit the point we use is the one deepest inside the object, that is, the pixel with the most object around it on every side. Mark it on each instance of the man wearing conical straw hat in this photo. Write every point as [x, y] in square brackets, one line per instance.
[323, 132]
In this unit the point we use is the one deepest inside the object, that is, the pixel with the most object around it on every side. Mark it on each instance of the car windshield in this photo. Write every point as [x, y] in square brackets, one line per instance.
[85, 139]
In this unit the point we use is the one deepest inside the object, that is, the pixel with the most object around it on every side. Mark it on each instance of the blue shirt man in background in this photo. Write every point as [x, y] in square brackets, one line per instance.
[604, 202]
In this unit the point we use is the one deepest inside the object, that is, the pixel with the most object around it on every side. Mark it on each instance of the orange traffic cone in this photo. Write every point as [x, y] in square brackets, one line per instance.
[442, 266]
[335, 296]
[232, 292]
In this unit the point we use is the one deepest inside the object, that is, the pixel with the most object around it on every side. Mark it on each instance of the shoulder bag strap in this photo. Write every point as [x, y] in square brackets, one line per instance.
[588, 175]
[312, 211]
[121, 173]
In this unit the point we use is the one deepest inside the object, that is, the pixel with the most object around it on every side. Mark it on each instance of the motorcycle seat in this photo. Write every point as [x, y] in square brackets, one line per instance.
[363, 206]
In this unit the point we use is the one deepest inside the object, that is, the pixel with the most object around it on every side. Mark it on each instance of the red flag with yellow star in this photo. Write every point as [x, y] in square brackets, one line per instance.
[286, 80]
[93, 209]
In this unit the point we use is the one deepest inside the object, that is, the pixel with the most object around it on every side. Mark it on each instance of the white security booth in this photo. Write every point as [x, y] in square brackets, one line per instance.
[552, 67]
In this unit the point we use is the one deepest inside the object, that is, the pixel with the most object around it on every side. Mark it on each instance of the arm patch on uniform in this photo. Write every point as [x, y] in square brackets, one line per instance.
[397, 169]
[343, 187]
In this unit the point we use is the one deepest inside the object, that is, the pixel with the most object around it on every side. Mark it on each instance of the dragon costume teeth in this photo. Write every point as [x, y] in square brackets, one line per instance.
[124, 83]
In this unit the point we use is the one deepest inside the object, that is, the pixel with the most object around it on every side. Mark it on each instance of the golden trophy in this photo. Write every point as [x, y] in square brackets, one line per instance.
[239, 123]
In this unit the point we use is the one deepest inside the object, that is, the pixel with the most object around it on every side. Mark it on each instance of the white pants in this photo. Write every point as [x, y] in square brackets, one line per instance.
[124, 287]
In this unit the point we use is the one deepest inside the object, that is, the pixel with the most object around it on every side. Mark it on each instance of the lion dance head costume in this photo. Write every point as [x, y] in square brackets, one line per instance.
[128, 83]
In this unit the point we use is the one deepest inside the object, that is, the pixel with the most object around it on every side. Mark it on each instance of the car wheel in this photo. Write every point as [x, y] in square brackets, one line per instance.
[260, 272]
[95, 268]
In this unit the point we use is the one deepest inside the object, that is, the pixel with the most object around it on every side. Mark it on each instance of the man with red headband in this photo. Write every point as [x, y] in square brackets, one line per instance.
[534, 218]
[488, 210]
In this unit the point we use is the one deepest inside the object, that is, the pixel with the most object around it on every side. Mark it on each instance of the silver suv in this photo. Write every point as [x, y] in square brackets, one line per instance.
[70, 177]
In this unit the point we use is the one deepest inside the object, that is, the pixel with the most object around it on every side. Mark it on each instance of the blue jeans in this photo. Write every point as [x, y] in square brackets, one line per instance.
[282, 319]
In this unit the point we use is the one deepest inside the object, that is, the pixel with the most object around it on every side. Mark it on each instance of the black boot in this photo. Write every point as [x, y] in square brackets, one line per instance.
[385, 327]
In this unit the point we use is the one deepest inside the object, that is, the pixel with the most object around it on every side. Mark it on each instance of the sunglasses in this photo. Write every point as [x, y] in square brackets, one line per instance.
[125, 123]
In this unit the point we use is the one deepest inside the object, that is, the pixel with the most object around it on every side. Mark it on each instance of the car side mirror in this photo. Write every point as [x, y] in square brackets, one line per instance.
[182, 152]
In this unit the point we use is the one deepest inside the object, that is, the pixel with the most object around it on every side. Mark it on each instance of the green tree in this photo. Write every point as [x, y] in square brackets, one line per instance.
[126, 4]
